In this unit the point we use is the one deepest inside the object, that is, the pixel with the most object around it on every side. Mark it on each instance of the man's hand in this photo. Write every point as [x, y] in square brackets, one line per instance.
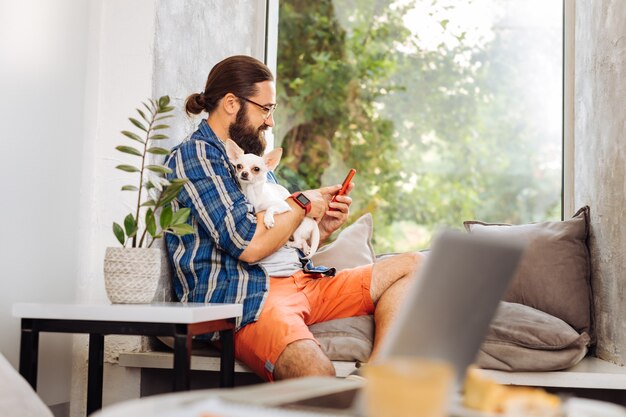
[267, 241]
[319, 200]
[334, 219]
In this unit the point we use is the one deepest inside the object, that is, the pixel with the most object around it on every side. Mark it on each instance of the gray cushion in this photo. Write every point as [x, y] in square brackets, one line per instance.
[346, 339]
[352, 248]
[554, 273]
[521, 338]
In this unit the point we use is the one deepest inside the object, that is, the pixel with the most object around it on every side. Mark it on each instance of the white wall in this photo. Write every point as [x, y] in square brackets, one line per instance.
[119, 76]
[43, 54]
[72, 72]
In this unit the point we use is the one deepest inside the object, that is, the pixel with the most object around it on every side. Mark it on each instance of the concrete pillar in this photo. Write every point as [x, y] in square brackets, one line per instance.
[600, 154]
[193, 35]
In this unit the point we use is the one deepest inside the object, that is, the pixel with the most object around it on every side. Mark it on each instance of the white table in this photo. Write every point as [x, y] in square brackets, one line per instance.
[246, 402]
[190, 404]
[181, 321]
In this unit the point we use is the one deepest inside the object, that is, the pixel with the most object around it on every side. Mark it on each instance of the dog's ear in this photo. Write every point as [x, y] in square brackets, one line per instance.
[233, 151]
[272, 158]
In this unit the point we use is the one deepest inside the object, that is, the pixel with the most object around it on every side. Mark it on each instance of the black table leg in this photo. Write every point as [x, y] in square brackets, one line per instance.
[182, 358]
[94, 374]
[29, 352]
[97, 329]
[227, 359]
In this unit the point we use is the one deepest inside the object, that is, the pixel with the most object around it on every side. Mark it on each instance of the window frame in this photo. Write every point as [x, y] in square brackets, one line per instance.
[567, 165]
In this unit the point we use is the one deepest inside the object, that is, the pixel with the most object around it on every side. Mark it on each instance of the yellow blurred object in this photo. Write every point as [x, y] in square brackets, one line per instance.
[483, 394]
[408, 387]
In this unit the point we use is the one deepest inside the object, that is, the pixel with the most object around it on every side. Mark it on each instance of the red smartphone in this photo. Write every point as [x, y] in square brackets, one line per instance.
[345, 185]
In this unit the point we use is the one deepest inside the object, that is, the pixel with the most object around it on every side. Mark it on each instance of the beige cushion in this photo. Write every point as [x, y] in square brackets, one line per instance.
[521, 338]
[352, 248]
[554, 273]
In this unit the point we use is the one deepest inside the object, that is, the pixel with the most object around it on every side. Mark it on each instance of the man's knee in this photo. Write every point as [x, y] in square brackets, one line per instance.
[302, 358]
[389, 270]
[400, 264]
[412, 259]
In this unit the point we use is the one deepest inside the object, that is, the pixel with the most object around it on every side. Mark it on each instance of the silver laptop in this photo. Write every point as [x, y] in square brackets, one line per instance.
[447, 311]
[451, 302]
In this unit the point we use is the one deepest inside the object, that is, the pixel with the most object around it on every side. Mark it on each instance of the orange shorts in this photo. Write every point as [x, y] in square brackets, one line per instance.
[295, 302]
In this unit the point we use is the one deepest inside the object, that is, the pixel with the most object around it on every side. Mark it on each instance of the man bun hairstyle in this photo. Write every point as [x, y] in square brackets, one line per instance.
[195, 104]
[236, 74]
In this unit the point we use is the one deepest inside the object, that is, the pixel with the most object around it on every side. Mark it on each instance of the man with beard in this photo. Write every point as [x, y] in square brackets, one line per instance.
[217, 264]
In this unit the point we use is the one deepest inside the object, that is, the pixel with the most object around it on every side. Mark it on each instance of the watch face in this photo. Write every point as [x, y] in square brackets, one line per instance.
[302, 199]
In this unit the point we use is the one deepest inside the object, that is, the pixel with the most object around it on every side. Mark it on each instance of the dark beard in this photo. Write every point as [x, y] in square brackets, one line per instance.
[248, 138]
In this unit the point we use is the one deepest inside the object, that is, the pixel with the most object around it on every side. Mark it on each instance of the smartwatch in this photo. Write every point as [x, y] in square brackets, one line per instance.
[302, 201]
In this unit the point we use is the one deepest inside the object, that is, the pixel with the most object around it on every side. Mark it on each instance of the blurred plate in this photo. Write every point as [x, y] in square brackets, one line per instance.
[581, 407]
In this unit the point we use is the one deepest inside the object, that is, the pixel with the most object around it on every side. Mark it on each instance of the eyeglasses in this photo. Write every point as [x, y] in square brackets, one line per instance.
[268, 109]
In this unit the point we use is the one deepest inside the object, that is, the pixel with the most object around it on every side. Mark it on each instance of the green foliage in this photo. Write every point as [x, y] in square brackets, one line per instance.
[438, 135]
[160, 191]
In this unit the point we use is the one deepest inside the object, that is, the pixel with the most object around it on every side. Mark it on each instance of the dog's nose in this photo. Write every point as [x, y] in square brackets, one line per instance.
[244, 175]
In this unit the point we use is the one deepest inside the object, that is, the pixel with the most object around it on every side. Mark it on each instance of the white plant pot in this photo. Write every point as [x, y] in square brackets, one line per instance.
[135, 275]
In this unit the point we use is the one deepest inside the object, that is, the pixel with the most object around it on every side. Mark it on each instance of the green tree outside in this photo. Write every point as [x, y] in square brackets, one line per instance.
[438, 135]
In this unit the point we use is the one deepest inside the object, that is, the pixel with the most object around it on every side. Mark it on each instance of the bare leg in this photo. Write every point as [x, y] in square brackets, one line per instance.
[390, 279]
[303, 358]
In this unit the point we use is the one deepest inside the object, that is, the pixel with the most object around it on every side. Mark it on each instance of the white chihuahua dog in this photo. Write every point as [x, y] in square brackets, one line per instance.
[265, 196]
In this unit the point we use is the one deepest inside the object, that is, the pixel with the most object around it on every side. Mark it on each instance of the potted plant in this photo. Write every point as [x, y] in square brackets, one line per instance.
[132, 273]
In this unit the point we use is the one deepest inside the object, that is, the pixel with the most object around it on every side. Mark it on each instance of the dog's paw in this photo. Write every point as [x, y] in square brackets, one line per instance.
[300, 244]
[306, 249]
[268, 221]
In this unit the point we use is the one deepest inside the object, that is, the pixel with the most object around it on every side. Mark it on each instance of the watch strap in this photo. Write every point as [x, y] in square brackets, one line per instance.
[306, 207]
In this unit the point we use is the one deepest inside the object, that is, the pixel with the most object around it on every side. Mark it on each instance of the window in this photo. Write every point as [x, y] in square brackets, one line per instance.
[449, 110]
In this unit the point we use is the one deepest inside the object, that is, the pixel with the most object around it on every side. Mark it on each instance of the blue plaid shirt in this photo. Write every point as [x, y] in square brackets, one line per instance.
[206, 264]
